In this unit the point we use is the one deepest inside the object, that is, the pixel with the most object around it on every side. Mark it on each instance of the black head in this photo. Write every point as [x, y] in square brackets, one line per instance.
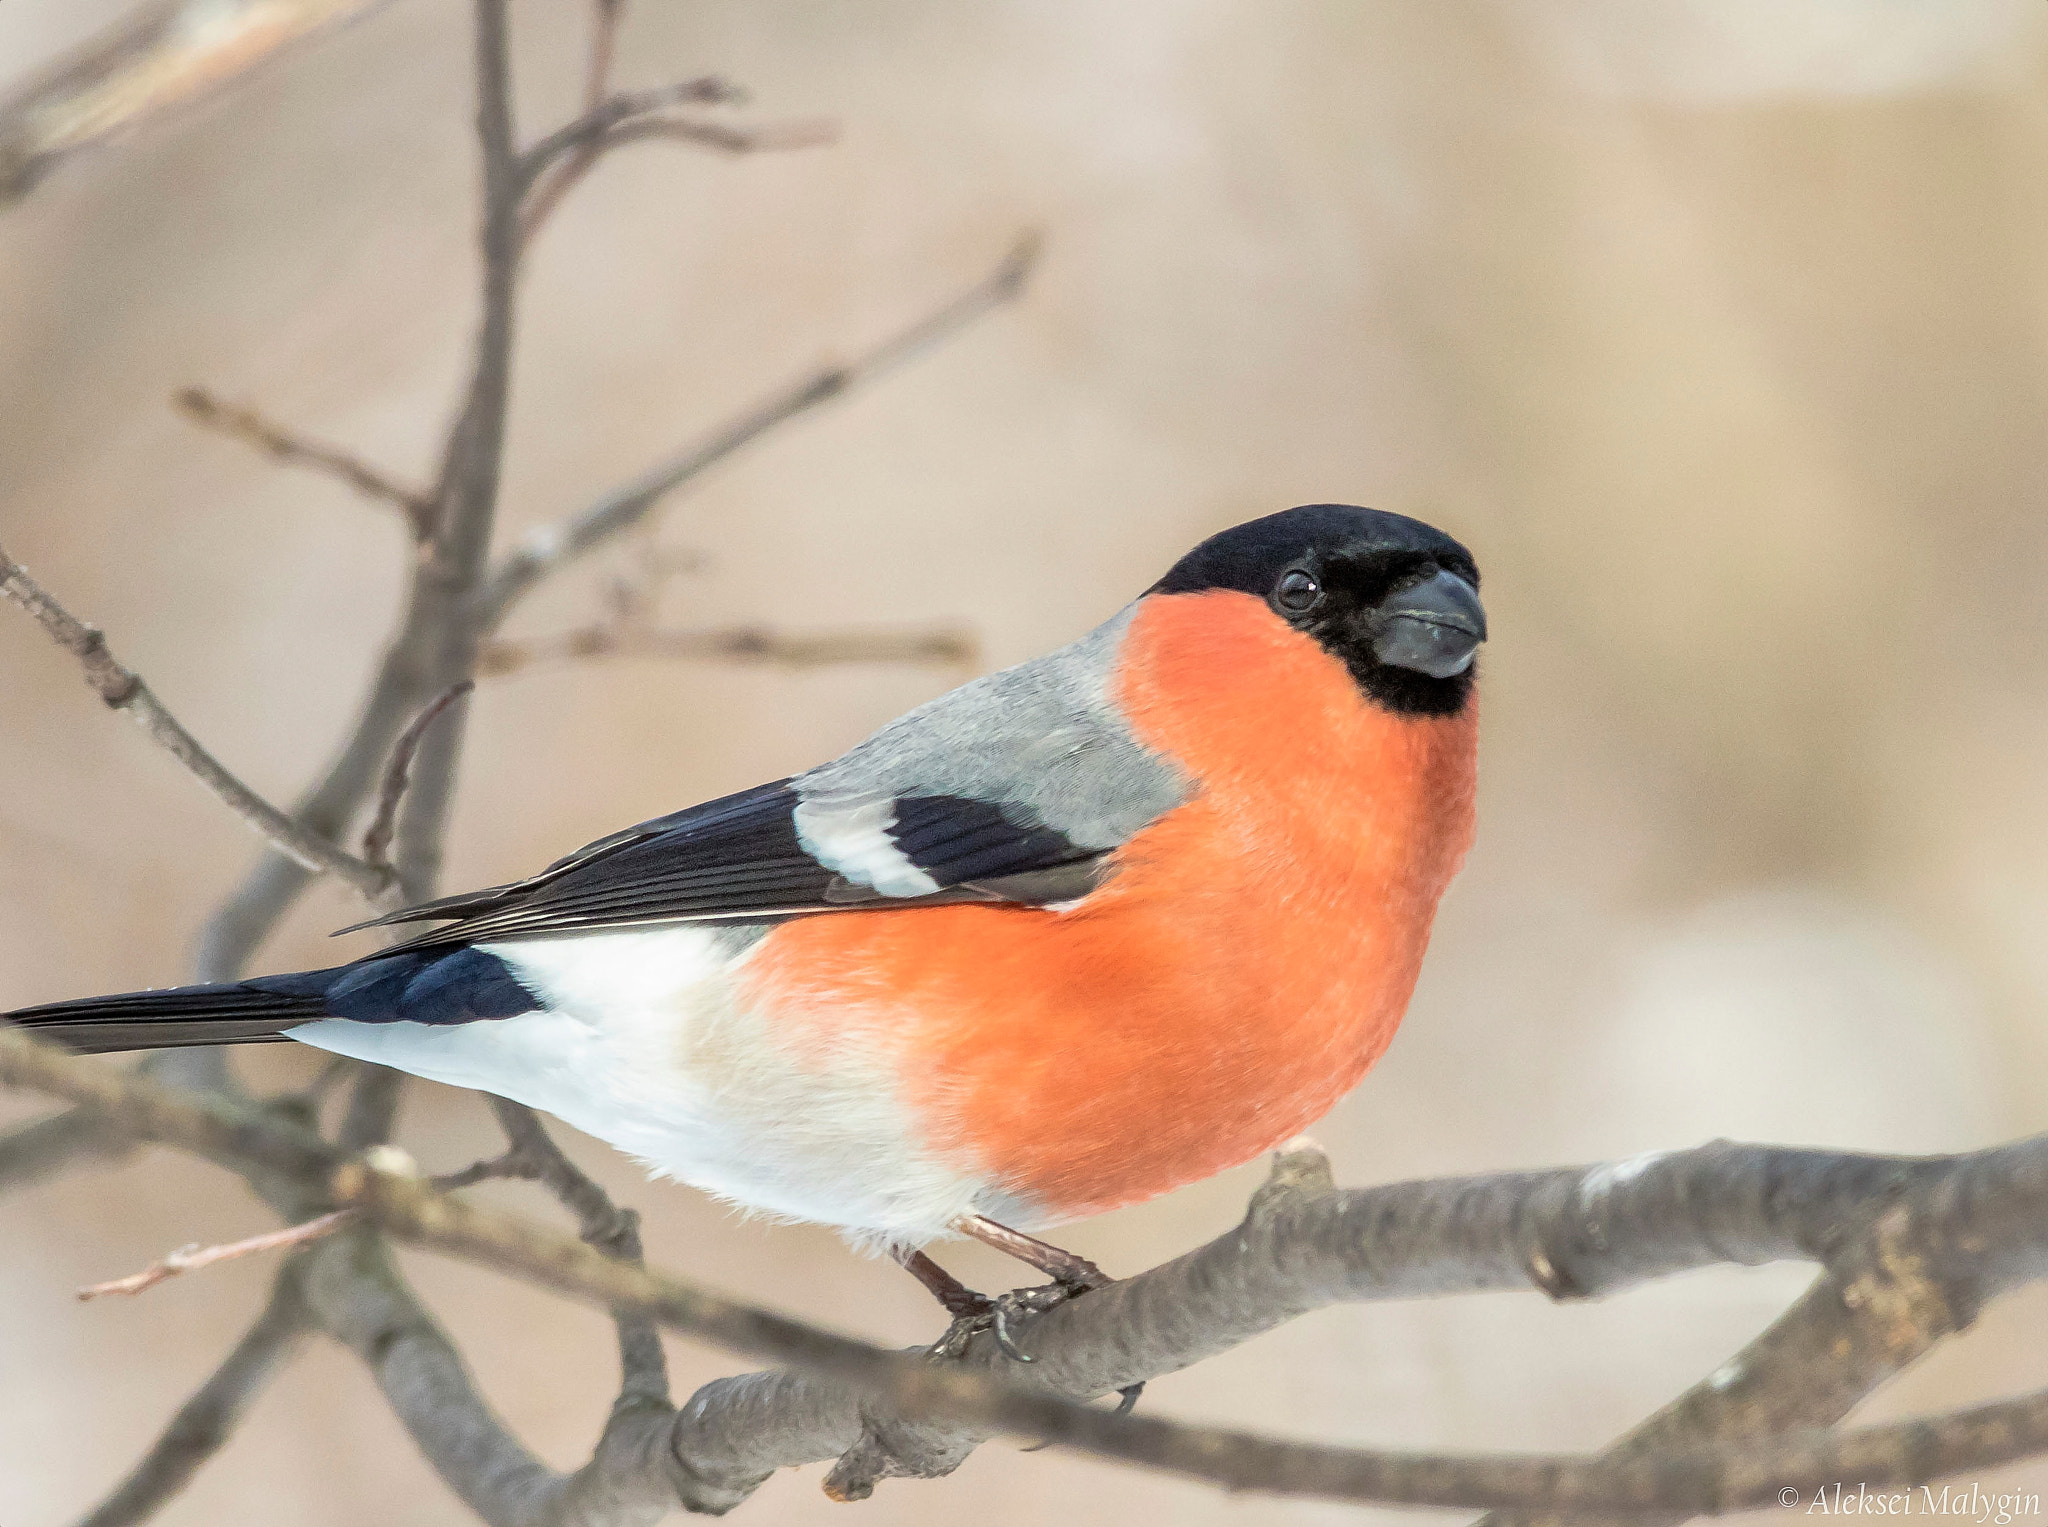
[1396, 600]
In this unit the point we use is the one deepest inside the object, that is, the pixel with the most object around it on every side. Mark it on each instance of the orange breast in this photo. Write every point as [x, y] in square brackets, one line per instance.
[1249, 959]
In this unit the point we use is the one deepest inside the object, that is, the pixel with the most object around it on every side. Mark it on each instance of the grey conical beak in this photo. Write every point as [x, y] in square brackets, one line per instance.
[1433, 627]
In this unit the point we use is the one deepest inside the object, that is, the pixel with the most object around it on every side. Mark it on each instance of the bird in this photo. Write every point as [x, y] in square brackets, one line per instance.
[1070, 936]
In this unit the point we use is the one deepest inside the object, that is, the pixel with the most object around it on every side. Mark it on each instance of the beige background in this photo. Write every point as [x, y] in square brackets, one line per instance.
[1717, 329]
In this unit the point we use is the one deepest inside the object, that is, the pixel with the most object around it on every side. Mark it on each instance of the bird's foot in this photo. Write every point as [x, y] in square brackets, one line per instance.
[974, 1313]
[1000, 1317]
[1029, 1303]
[1009, 1311]
[961, 1333]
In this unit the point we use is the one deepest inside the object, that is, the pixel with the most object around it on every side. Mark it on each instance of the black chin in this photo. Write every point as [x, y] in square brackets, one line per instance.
[1408, 691]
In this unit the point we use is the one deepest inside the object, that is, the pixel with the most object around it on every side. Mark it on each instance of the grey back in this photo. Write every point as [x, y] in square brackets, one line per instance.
[1044, 739]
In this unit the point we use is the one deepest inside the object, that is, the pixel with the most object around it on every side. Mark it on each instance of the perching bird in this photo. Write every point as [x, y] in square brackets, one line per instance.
[1063, 939]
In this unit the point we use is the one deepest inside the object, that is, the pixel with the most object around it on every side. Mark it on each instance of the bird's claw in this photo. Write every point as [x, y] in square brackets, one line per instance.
[1036, 1301]
[994, 1316]
[998, 1317]
[1027, 1302]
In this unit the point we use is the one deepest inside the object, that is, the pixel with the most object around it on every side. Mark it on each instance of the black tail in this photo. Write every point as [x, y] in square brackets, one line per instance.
[437, 986]
[245, 1012]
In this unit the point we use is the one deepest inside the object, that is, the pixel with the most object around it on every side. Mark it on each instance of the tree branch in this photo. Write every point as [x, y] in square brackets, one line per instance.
[397, 774]
[566, 173]
[602, 113]
[446, 631]
[124, 690]
[542, 199]
[740, 644]
[1875, 1309]
[1970, 1225]
[281, 445]
[195, 1257]
[600, 1223]
[552, 547]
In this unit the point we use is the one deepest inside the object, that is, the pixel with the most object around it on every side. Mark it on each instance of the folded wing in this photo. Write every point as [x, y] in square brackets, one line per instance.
[1014, 788]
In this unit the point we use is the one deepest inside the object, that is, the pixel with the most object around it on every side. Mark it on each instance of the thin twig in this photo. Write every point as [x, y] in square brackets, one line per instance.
[566, 174]
[384, 824]
[512, 1166]
[944, 645]
[124, 690]
[551, 547]
[204, 1423]
[600, 1223]
[771, 137]
[609, 111]
[195, 1257]
[281, 445]
[545, 193]
[605, 19]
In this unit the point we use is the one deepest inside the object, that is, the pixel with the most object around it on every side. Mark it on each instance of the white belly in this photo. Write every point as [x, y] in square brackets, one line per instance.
[641, 1041]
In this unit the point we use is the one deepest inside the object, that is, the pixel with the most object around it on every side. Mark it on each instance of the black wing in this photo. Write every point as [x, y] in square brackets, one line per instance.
[740, 859]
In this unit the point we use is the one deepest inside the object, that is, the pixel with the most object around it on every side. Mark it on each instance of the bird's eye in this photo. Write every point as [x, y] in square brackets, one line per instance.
[1296, 592]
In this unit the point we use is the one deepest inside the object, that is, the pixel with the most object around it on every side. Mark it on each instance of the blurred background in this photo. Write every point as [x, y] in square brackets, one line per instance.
[1718, 329]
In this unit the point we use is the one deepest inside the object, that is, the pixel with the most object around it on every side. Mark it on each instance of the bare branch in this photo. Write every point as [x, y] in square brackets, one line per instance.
[551, 547]
[2016, 1177]
[563, 176]
[166, 54]
[944, 645]
[643, 1369]
[124, 690]
[280, 444]
[605, 18]
[771, 137]
[195, 1257]
[1876, 1309]
[1973, 1225]
[607, 112]
[599, 1222]
[205, 1422]
[542, 198]
[512, 1166]
[384, 824]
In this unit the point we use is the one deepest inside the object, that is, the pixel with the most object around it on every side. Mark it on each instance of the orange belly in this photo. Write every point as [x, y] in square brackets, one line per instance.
[1248, 960]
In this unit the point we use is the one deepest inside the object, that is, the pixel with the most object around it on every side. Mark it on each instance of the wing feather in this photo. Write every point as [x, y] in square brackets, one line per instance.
[1017, 787]
[739, 859]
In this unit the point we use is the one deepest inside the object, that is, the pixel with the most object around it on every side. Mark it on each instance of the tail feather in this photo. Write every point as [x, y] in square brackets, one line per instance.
[245, 1012]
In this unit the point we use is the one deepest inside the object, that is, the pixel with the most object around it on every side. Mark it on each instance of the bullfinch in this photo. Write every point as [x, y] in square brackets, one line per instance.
[1070, 936]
